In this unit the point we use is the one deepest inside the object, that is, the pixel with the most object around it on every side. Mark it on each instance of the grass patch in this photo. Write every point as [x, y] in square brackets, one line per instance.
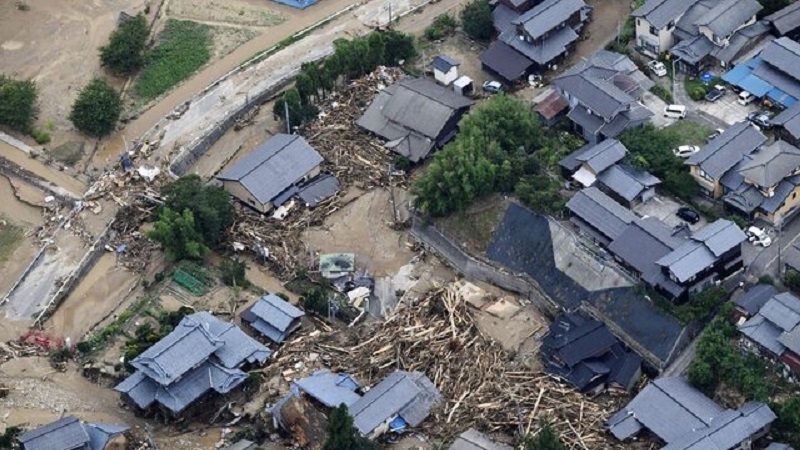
[10, 237]
[690, 132]
[474, 227]
[68, 153]
[184, 47]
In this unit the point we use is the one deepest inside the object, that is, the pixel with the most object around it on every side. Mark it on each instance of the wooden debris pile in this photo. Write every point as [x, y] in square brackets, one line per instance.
[481, 386]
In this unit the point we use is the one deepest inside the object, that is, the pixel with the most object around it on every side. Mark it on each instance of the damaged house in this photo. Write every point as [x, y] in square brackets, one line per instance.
[473, 439]
[70, 433]
[202, 356]
[273, 317]
[415, 116]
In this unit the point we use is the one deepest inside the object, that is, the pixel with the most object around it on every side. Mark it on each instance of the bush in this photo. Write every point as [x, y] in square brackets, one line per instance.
[765, 279]
[316, 300]
[184, 47]
[210, 206]
[97, 109]
[40, 136]
[662, 93]
[477, 20]
[787, 427]
[18, 103]
[701, 305]
[178, 234]
[234, 272]
[792, 279]
[9, 437]
[697, 93]
[443, 26]
[124, 53]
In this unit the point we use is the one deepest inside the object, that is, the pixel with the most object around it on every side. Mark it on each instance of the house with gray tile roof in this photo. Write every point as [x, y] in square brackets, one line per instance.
[401, 400]
[330, 389]
[473, 439]
[603, 93]
[415, 116]
[70, 433]
[712, 253]
[786, 22]
[722, 154]
[685, 419]
[201, 355]
[276, 166]
[598, 215]
[539, 37]
[594, 159]
[273, 317]
[774, 330]
[773, 74]
[749, 303]
[628, 185]
[698, 33]
[787, 123]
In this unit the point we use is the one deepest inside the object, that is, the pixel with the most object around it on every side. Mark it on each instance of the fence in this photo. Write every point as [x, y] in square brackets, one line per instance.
[472, 268]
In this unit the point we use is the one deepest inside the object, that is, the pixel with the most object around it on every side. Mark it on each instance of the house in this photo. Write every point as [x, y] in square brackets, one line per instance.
[330, 389]
[713, 253]
[685, 419]
[550, 107]
[319, 189]
[774, 331]
[698, 33]
[603, 93]
[641, 245]
[786, 22]
[273, 317]
[764, 185]
[773, 75]
[445, 69]
[415, 116]
[584, 353]
[787, 123]
[203, 355]
[473, 439]
[594, 159]
[598, 216]
[709, 166]
[70, 433]
[628, 185]
[269, 175]
[536, 39]
[749, 303]
[401, 400]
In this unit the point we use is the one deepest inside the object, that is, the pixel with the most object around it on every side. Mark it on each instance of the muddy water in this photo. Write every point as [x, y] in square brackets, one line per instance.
[259, 276]
[48, 173]
[96, 296]
[19, 212]
[28, 217]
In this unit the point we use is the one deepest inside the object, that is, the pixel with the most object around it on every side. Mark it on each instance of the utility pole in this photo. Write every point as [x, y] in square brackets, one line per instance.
[390, 15]
[286, 115]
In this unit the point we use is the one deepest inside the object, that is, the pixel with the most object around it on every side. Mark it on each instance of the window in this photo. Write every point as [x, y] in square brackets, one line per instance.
[794, 194]
[653, 31]
[638, 22]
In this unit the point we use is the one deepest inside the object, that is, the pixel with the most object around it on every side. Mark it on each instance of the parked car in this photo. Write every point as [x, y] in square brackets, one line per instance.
[688, 214]
[685, 151]
[760, 118]
[715, 93]
[758, 236]
[745, 98]
[657, 67]
[535, 80]
[492, 87]
[716, 133]
[675, 111]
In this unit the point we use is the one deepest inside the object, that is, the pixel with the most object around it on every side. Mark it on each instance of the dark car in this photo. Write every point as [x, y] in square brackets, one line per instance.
[688, 214]
[715, 94]
[760, 118]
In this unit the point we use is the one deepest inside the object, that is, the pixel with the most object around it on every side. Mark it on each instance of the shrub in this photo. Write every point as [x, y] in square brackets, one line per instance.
[792, 280]
[697, 93]
[765, 279]
[443, 26]
[40, 136]
[17, 103]
[477, 20]
[662, 93]
[316, 300]
[210, 205]
[234, 272]
[124, 53]
[97, 109]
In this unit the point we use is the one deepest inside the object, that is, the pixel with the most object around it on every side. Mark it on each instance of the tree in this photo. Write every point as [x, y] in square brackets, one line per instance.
[124, 53]
[342, 434]
[787, 427]
[210, 206]
[177, 233]
[300, 112]
[97, 109]
[316, 300]
[234, 272]
[545, 439]
[477, 20]
[17, 103]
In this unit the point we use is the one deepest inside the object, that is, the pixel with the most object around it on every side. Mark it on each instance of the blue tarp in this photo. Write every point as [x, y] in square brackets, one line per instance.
[742, 76]
[781, 97]
[707, 76]
[300, 4]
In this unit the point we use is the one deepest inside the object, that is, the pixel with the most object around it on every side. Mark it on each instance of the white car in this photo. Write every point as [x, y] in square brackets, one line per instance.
[759, 236]
[716, 133]
[657, 67]
[675, 111]
[685, 151]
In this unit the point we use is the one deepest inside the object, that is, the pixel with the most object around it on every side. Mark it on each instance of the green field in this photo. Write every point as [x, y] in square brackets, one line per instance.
[183, 48]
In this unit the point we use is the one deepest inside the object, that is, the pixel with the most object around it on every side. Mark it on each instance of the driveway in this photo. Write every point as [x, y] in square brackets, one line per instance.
[664, 208]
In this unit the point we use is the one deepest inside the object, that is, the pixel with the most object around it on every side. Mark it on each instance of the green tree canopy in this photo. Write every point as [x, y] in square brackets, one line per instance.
[17, 103]
[545, 439]
[210, 206]
[342, 434]
[124, 53]
[477, 20]
[97, 109]
[177, 233]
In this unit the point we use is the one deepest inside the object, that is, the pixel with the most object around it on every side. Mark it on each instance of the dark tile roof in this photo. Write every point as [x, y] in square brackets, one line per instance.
[786, 19]
[726, 150]
[728, 15]
[603, 155]
[505, 61]
[627, 182]
[661, 12]
[69, 433]
[756, 297]
[444, 63]
[601, 212]
[790, 118]
[772, 164]
[548, 14]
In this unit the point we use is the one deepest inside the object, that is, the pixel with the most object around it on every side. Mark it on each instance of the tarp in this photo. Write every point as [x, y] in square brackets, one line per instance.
[742, 76]
[300, 4]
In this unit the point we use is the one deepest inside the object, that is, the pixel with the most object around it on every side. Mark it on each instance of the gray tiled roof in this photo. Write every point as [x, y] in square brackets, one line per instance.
[472, 439]
[763, 332]
[545, 16]
[600, 211]
[772, 164]
[703, 249]
[790, 117]
[273, 317]
[686, 28]
[775, 445]
[639, 249]
[739, 41]
[502, 16]
[728, 430]
[100, 434]
[726, 150]
[330, 389]
[505, 61]
[627, 182]
[783, 310]
[728, 15]
[542, 53]
[444, 63]
[786, 19]
[756, 297]
[409, 395]
[720, 236]
[64, 434]
[242, 444]
[791, 340]
[693, 50]
[274, 166]
[412, 114]
[783, 54]
[318, 190]
[601, 96]
[589, 122]
[603, 155]
[661, 12]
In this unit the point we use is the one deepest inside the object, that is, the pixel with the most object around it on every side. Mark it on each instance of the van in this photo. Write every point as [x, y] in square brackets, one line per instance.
[675, 111]
[745, 98]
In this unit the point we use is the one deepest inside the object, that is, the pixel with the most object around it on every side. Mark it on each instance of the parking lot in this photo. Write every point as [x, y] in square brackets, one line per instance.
[726, 108]
[664, 208]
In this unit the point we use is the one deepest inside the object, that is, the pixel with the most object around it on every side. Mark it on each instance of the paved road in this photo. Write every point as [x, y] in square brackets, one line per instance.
[681, 363]
[766, 260]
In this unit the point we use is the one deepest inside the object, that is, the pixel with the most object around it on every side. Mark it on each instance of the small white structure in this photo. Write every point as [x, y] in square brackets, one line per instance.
[445, 69]
[464, 85]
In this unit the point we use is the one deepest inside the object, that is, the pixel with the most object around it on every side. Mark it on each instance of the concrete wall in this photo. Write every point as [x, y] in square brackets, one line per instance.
[664, 36]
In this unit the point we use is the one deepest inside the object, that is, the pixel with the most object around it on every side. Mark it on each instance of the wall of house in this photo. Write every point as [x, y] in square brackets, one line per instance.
[663, 37]
[785, 212]
[446, 77]
[712, 189]
[237, 190]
